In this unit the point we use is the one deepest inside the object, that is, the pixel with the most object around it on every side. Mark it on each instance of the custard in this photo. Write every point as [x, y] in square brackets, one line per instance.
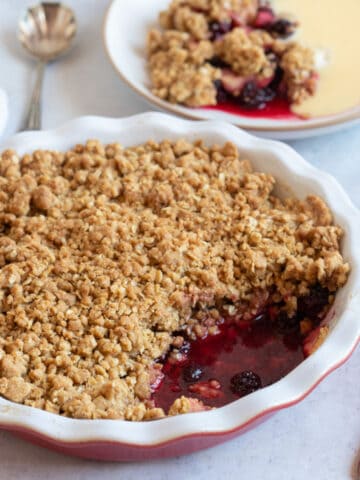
[332, 29]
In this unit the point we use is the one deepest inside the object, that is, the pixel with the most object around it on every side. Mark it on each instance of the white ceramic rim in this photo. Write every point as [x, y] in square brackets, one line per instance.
[113, 33]
[292, 388]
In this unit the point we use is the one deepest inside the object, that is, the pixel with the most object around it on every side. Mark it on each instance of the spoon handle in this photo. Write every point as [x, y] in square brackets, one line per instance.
[33, 120]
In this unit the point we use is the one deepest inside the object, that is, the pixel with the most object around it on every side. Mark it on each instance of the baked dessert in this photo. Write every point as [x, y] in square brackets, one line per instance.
[157, 279]
[211, 52]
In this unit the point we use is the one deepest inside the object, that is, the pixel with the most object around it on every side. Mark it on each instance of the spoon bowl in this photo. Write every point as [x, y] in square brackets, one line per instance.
[47, 30]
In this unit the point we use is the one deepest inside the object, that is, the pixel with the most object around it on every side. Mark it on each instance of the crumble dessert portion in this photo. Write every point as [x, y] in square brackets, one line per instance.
[112, 257]
[211, 51]
[179, 69]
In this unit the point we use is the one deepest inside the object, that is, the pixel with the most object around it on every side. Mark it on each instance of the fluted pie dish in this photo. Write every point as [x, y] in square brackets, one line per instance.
[81, 400]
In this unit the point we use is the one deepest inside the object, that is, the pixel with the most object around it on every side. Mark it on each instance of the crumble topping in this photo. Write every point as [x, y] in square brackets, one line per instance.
[178, 69]
[107, 253]
[245, 56]
[209, 11]
[202, 41]
[298, 65]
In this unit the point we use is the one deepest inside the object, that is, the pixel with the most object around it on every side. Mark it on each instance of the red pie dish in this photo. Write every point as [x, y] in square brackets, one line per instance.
[271, 312]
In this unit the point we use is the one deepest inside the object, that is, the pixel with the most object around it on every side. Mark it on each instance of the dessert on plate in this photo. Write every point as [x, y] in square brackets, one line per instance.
[256, 58]
[210, 52]
[157, 279]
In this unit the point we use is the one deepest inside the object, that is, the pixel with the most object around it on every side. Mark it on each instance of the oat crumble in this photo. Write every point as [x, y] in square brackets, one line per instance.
[107, 253]
[201, 41]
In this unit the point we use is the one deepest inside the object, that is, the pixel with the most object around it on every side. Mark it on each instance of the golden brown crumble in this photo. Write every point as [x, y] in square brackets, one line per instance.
[209, 10]
[186, 405]
[181, 56]
[106, 252]
[298, 65]
[178, 69]
[244, 56]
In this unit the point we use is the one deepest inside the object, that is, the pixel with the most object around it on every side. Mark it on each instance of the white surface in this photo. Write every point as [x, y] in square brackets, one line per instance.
[125, 32]
[292, 172]
[317, 439]
[4, 110]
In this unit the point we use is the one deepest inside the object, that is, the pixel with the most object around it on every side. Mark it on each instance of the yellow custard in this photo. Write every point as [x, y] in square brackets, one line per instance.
[332, 29]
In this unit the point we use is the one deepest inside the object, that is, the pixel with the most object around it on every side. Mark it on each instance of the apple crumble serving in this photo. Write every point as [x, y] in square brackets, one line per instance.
[114, 261]
[208, 52]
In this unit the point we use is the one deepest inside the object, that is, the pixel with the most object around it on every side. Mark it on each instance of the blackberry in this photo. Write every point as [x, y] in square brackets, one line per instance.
[278, 78]
[282, 28]
[312, 304]
[254, 98]
[222, 95]
[245, 382]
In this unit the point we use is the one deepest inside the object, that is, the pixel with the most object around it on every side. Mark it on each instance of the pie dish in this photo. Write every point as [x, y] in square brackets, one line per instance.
[128, 55]
[105, 439]
[156, 279]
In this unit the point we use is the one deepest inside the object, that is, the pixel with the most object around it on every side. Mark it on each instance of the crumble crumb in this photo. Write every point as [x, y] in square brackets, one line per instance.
[178, 71]
[184, 19]
[245, 57]
[187, 405]
[298, 64]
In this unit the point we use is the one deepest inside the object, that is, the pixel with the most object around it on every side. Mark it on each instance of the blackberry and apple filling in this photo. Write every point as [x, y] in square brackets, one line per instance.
[211, 52]
[157, 279]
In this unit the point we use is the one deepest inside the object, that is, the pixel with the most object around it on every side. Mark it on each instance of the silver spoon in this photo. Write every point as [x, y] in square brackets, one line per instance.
[46, 31]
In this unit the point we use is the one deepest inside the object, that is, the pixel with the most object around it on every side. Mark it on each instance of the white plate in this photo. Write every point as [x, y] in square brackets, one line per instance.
[125, 29]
